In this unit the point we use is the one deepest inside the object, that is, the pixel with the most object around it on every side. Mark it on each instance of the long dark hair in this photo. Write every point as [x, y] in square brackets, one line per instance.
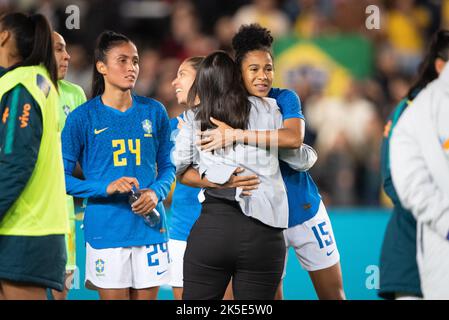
[219, 87]
[250, 38]
[105, 42]
[34, 40]
[439, 48]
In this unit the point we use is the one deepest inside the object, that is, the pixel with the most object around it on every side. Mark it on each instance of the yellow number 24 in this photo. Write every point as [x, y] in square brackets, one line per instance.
[119, 160]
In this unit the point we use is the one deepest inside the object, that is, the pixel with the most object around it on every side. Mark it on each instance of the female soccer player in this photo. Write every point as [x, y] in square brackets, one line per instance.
[310, 231]
[70, 97]
[33, 211]
[185, 206]
[235, 234]
[419, 159]
[122, 142]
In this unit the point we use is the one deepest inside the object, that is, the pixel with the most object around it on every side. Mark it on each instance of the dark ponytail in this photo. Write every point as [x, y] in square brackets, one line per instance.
[34, 39]
[105, 42]
[439, 48]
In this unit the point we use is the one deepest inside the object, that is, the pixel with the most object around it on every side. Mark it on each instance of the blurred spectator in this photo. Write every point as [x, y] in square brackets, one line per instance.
[164, 90]
[350, 115]
[224, 31]
[149, 60]
[186, 39]
[378, 89]
[210, 11]
[349, 15]
[346, 128]
[397, 89]
[406, 26]
[311, 20]
[80, 71]
[6, 5]
[266, 13]
[50, 10]
[445, 14]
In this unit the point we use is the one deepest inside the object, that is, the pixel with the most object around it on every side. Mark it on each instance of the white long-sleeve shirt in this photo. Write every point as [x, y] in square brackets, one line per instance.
[419, 155]
[269, 202]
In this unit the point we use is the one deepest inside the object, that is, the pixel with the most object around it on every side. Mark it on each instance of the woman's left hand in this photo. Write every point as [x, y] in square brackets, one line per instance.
[217, 138]
[146, 202]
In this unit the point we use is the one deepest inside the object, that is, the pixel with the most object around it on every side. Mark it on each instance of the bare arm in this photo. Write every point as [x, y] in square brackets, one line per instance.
[291, 136]
[192, 178]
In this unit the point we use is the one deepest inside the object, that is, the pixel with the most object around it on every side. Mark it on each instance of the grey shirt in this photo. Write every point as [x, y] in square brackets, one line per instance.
[269, 202]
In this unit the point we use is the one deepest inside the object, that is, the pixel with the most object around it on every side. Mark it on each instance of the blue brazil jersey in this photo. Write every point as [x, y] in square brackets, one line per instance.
[185, 206]
[302, 192]
[110, 144]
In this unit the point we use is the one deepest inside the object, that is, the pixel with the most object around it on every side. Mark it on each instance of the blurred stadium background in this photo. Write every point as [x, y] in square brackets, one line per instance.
[348, 77]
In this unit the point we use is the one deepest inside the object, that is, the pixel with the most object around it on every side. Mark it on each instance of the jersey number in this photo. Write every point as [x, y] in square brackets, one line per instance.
[322, 235]
[155, 261]
[133, 147]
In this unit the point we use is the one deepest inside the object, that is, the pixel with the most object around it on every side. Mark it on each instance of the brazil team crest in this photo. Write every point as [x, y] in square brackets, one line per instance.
[147, 128]
[99, 266]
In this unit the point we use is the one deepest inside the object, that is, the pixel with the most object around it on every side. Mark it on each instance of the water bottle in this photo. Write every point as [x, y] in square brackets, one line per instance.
[154, 217]
[134, 195]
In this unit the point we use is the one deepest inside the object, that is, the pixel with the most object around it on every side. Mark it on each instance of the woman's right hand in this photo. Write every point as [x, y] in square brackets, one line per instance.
[181, 123]
[246, 183]
[122, 185]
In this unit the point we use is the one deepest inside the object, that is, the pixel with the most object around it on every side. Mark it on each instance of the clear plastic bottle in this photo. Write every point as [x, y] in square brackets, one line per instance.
[152, 218]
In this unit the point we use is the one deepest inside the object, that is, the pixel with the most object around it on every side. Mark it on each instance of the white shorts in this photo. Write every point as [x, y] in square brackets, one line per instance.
[176, 249]
[313, 242]
[132, 267]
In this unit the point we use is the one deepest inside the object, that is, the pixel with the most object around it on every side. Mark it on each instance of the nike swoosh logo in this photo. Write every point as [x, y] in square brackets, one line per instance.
[100, 131]
[159, 273]
[329, 253]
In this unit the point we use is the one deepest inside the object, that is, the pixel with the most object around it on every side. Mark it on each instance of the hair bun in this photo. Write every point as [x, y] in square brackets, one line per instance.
[252, 37]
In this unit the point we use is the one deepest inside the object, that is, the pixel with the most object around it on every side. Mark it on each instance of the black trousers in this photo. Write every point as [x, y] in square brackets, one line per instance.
[225, 243]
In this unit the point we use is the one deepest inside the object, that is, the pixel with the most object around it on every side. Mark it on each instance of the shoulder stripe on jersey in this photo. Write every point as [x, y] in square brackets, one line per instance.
[11, 126]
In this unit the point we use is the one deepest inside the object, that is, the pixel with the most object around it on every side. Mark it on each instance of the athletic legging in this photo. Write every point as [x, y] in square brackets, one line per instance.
[225, 243]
